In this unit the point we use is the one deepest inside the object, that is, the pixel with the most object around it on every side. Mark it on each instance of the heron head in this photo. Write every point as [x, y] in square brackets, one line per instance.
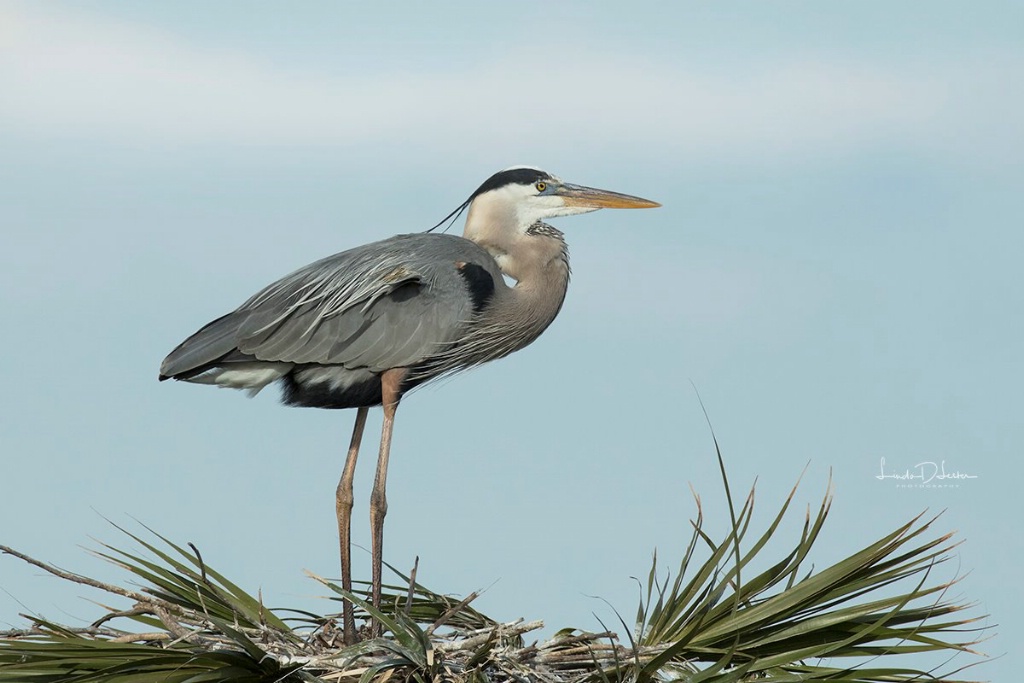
[520, 196]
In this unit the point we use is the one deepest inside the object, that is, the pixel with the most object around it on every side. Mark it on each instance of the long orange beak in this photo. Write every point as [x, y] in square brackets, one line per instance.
[590, 197]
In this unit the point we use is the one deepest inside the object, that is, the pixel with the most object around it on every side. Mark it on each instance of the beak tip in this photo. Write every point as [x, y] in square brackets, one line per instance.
[641, 203]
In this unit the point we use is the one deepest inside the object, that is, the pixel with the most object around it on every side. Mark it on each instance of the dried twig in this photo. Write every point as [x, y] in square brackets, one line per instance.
[75, 578]
[501, 631]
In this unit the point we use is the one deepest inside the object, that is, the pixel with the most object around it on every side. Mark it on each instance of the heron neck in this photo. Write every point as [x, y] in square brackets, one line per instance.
[513, 319]
[528, 308]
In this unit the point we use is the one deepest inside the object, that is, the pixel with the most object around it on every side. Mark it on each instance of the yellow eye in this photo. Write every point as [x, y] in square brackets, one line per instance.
[541, 186]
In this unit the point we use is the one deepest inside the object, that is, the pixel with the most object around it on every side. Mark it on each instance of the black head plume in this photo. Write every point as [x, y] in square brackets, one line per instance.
[520, 175]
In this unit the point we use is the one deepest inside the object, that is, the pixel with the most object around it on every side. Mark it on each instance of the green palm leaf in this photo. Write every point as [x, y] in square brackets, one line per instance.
[732, 611]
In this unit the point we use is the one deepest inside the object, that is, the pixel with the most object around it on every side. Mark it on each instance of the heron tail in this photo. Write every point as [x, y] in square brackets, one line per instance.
[203, 350]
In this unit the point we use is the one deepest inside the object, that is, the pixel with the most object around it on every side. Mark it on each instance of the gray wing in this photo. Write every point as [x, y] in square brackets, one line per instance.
[384, 305]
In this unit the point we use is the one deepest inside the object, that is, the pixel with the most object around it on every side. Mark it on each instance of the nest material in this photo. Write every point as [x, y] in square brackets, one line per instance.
[495, 653]
[447, 651]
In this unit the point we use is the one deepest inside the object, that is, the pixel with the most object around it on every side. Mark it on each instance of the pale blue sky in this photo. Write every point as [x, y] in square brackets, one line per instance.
[836, 268]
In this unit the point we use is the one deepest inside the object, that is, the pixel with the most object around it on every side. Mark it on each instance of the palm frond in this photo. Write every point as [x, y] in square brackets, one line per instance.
[732, 611]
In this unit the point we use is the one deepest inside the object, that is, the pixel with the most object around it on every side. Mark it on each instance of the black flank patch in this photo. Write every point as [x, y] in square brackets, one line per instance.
[320, 395]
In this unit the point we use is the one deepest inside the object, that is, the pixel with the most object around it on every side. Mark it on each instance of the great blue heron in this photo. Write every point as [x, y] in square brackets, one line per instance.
[363, 327]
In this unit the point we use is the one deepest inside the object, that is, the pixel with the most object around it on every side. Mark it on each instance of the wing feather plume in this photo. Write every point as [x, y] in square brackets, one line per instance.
[387, 304]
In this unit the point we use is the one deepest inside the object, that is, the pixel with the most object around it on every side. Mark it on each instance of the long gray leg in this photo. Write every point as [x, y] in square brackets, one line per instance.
[391, 382]
[343, 504]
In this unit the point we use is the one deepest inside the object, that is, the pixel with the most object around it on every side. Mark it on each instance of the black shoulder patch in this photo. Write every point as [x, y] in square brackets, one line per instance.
[479, 283]
[518, 176]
